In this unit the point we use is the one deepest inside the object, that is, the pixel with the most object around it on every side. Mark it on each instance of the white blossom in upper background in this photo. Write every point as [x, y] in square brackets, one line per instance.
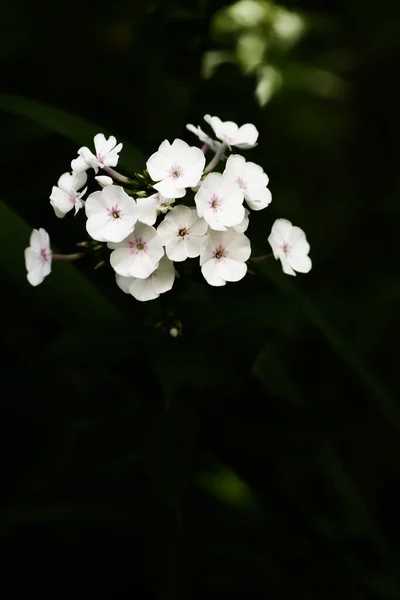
[139, 254]
[203, 137]
[38, 257]
[175, 167]
[107, 154]
[159, 281]
[252, 180]
[182, 232]
[223, 257]
[290, 245]
[151, 206]
[65, 196]
[220, 202]
[231, 134]
[111, 213]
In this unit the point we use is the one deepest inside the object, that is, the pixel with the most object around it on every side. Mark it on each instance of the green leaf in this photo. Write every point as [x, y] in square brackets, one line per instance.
[65, 292]
[270, 370]
[348, 355]
[68, 125]
[228, 487]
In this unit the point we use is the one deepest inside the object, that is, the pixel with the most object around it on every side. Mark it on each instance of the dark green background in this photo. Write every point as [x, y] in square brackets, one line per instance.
[256, 456]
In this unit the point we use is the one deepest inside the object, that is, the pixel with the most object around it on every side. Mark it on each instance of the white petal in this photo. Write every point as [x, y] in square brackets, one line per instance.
[32, 259]
[121, 260]
[213, 218]
[168, 190]
[242, 227]
[235, 165]
[239, 248]
[175, 249]
[35, 276]
[60, 201]
[232, 270]
[300, 263]
[66, 181]
[79, 180]
[124, 283]
[192, 245]
[257, 199]
[282, 228]
[78, 165]
[143, 290]
[158, 163]
[285, 265]
[142, 265]
[39, 239]
[148, 209]
[232, 213]
[164, 276]
[211, 272]
[246, 136]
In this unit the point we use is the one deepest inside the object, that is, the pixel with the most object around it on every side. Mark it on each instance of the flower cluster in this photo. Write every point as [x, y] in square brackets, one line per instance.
[178, 208]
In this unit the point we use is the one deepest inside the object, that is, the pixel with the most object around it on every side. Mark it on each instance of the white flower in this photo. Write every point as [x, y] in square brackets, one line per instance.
[152, 205]
[203, 137]
[223, 257]
[182, 232]
[139, 254]
[220, 201]
[65, 196]
[104, 180]
[228, 132]
[38, 257]
[242, 227]
[107, 154]
[176, 167]
[290, 245]
[111, 213]
[251, 178]
[158, 282]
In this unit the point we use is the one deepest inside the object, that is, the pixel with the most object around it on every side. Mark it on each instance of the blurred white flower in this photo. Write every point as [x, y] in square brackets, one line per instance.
[231, 134]
[290, 245]
[38, 257]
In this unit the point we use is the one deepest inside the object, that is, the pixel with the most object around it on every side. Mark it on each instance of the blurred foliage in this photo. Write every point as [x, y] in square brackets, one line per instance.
[257, 454]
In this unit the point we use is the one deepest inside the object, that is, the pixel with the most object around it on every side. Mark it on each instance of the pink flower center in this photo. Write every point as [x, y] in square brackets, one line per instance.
[219, 252]
[285, 247]
[137, 245]
[44, 257]
[182, 232]
[214, 202]
[242, 183]
[175, 171]
[114, 212]
[73, 196]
